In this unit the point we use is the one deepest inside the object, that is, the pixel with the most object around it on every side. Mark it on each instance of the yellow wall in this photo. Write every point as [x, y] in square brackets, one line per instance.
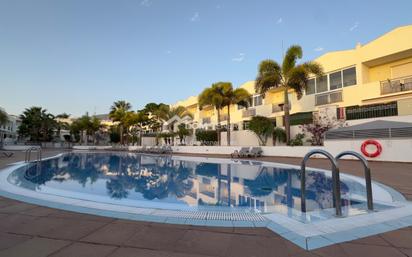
[373, 62]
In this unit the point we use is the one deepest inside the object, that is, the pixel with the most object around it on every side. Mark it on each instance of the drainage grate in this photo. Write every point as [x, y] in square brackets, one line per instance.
[210, 215]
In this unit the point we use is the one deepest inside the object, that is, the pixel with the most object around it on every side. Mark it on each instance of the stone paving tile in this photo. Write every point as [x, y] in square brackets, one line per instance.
[256, 246]
[355, 250]
[9, 222]
[114, 233]
[36, 227]
[72, 229]
[84, 250]
[161, 238]
[408, 252]
[19, 207]
[35, 247]
[399, 238]
[135, 252]
[372, 240]
[204, 242]
[255, 231]
[79, 216]
[39, 211]
[10, 240]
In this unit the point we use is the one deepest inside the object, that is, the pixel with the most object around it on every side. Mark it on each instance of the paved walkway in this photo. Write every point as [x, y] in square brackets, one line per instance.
[34, 231]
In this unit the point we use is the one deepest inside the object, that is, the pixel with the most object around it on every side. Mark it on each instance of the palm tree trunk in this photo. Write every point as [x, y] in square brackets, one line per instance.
[228, 125]
[219, 140]
[121, 134]
[286, 111]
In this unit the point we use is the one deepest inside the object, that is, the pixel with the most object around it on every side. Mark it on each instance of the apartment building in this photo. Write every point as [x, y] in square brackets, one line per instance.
[370, 81]
[8, 131]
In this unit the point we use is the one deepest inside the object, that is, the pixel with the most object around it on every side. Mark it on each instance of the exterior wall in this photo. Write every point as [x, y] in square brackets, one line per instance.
[374, 62]
[393, 150]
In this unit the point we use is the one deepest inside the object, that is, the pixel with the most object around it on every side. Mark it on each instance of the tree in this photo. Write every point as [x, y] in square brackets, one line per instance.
[320, 126]
[262, 127]
[220, 95]
[290, 77]
[37, 124]
[279, 134]
[238, 96]
[3, 117]
[91, 125]
[212, 96]
[118, 113]
[182, 132]
[61, 124]
[157, 113]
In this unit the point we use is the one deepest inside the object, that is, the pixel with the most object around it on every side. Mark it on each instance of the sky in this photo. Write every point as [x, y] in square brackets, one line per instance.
[79, 56]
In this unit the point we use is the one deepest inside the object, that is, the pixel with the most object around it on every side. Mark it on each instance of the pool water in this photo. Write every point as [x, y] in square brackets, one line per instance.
[181, 183]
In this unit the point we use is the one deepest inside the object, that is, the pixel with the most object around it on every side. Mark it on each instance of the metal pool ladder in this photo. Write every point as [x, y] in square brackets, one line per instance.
[337, 204]
[28, 154]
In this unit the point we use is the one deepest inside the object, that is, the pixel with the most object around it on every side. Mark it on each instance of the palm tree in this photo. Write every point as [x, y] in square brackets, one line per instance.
[290, 77]
[37, 124]
[118, 113]
[220, 95]
[212, 96]
[3, 117]
[3, 121]
[238, 96]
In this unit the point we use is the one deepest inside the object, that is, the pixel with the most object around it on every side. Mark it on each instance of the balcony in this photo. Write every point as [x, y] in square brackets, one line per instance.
[279, 107]
[396, 85]
[223, 117]
[249, 113]
[328, 98]
[206, 120]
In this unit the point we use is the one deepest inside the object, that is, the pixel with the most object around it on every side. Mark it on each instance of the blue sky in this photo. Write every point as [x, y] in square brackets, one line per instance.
[81, 55]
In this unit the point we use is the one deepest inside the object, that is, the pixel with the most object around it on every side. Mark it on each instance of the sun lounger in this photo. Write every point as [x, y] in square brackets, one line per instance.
[243, 152]
[255, 152]
[7, 153]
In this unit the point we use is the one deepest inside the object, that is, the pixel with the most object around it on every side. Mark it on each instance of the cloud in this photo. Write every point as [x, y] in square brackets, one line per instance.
[168, 52]
[279, 21]
[239, 58]
[195, 17]
[146, 3]
[318, 49]
[355, 26]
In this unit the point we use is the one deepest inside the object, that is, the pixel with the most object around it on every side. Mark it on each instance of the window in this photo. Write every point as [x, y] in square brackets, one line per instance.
[257, 100]
[335, 80]
[349, 77]
[310, 89]
[321, 84]
[239, 107]
[245, 125]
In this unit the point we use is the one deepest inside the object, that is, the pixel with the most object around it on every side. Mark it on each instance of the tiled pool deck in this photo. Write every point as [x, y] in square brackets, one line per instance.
[30, 230]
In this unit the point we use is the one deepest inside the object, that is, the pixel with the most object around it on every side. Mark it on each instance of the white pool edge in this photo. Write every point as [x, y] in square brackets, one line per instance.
[306, 235]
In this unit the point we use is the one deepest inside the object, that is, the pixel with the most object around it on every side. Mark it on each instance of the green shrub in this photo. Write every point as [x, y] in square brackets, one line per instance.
[206, 136]
[298, 140]
[262, 127]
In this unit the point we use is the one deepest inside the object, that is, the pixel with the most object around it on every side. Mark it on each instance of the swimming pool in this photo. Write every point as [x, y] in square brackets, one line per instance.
[191, 190]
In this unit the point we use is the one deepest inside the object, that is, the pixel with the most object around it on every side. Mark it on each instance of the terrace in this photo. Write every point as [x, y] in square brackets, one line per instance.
[54, 232]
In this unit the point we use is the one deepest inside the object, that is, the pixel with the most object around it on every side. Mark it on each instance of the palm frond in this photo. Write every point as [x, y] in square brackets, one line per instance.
[269, 76]
[293, 53]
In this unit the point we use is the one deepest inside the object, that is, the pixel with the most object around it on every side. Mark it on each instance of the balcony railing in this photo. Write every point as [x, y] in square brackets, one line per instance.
[279, 107]
[328, 98]
[249, 113]
[223, 117]
[397, 85]
[206, 120]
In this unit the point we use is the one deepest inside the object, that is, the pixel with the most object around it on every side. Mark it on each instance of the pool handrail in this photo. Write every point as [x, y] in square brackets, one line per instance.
[335, 180]
[368, 179]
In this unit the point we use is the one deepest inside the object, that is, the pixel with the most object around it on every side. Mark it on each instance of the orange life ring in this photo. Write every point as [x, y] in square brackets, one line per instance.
[373, 154]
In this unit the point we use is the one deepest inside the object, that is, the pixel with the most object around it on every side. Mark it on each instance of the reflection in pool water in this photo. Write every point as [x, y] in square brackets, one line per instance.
[128, 178]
